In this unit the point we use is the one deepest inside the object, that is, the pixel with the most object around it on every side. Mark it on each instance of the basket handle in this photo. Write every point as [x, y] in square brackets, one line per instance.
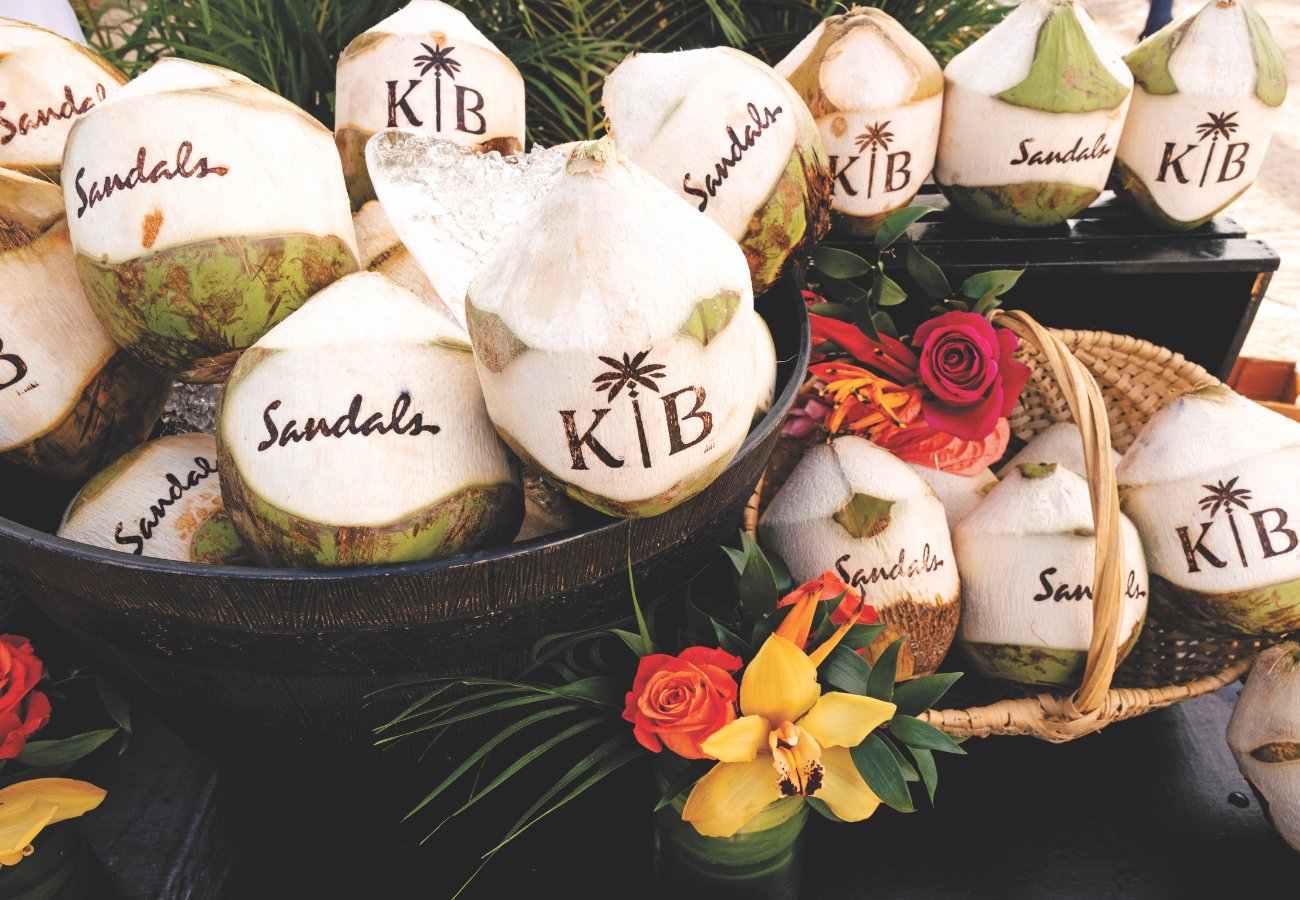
[1088, 408]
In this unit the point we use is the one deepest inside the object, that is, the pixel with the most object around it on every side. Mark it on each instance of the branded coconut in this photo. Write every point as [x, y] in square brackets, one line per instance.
[856, 509]
[382, 251]
[1207, 94]
[877, 95]
[1032, 114]
[162, 499]
[1027, 556]
[1211, 485]
[732, 138]
[354, 432]
[48, 83]
[1058, 443]
[614, 339]
[764, 367]
[70, 401]
[1264, 735]
[426, 67]
[959, 494]
[204, 209]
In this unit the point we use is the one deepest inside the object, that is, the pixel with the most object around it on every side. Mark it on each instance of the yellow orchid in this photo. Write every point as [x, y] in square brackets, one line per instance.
[29, 806]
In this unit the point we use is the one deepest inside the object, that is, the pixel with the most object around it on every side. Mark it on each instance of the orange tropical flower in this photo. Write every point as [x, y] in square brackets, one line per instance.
[806, 597]
[861, 400]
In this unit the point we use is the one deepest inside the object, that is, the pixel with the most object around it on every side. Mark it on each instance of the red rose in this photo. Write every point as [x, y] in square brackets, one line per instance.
[23, 711]
[966, 364]
[681, 700]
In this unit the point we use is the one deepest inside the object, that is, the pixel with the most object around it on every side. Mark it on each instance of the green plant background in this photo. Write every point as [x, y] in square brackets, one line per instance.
[564, 48]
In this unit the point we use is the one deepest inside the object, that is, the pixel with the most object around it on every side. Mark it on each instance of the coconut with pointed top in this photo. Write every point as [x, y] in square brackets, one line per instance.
[1058, 443]
[1211, 484]
[1028, 557]
[1032, 116]
[1264, 735]
[162, 499]
[614, 338]
[354, 432]
[425, 67]
[959, 494]
[877, 95]
[731, 137]
[204, 209]
[47, 82]
[1208, 90]
[855, 509]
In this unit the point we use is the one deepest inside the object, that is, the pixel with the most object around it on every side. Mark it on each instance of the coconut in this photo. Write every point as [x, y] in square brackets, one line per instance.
[1058, 443]
[382, 251]
[764, 367]
[877, 95]
[49, 82]
[1027, 556]
[204, 209]
[392, 76]
[1208, 90]
[162, 499]
[1264, 735]
[614, 338]
[732, 138]
[1032, 114]
[856, 509]
[70, 401]
[354, 432]
[28, 206]
[959, 494]
[1210, 484]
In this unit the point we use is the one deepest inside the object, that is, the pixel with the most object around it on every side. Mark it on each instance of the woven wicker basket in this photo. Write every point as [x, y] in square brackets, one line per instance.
[1110, 385]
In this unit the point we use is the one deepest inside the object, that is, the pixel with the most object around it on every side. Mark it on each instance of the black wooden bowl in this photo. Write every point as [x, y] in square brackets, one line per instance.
[267, 669]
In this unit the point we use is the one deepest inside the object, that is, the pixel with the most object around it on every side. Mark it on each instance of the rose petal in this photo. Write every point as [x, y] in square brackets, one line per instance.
[972, 423]
[705, 656]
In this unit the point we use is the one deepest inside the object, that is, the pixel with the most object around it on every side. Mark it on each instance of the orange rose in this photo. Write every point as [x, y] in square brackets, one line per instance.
[681, 700]
[22, 710]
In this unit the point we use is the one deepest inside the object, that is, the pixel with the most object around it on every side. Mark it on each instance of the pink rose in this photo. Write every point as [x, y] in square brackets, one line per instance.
[966, 365]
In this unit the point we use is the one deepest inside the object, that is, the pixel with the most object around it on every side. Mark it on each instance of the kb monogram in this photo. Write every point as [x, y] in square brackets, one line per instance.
[1230, 168]
[11, 361]
[876, 139]
[469, 102]
[1269, 529]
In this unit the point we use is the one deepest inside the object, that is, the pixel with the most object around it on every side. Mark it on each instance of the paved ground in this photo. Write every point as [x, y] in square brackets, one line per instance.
[1271, 210]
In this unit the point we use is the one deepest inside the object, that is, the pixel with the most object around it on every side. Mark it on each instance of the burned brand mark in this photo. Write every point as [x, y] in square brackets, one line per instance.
[103, 188]
[1065, 591]
[12, 368]
[469, 102]
[739, 144]
[634, 373]
[1265, 527]
[397, 422]
[176, 489]
[927, 563]
[1077, 153]
[1230, 167]
[897, 173]
[28, 122]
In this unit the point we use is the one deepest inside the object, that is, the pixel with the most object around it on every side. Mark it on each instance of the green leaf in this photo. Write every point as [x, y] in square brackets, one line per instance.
[115, 702]
[841, 311]
[756, 587]
[781, 572]
[997, 282]
[601, 690]
[928, 770]
[884, 672]
[730, 641]
[820, 807]
[926, 273]
[879, 769]
[919, 694]
[647, 645]
[845, 292]
[864, 313]
[891, 294]
[864, 516]
[987, 304]
[838, 263]
[859, 636]
[43, 754]
[909, 773]
[634, 642]
[915, 733]
[884, 325]
[897, 224]
[845, 671]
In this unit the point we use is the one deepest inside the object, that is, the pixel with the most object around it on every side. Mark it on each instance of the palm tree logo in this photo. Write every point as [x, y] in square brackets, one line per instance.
[1218, 126]
[437, 60]
[632, 373]
[1225, 497]
[875, 138]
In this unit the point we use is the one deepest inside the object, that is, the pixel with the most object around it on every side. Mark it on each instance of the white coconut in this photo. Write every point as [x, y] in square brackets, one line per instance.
[1209, 88]
[1058, 443]
[382, 251]
[48, 83]
[355, 432]
[855, 509]
[612, 273]
[764, 366]
[959, 494]
[1027, 556]
[203, 209]
[1264, 735]
[162, 499]
[877, 95]
[1210, 483]
[425, 67]
[1032, 116]
[31, 204]
[732, 138]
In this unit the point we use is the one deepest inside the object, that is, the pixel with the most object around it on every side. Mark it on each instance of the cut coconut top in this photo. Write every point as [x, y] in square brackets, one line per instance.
[1200, 432]
[830, 474]
[1047, 55]
[609, 252]
[1059, 443]
[33, 203]
[1034, 499]
[425, 17]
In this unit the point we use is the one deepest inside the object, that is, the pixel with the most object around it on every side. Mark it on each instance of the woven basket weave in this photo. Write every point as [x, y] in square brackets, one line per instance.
[1110, 385]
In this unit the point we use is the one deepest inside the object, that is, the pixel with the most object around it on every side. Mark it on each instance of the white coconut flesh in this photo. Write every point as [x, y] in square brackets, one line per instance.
[959, 494]
[163, 500]
[613, 274]
[426, 67]
[1264, 735]
[1209, 87]
[32, 203]
[764, 366]
[382, 251]
[1058, 443]
[876, 93]
[1059, 94]
[351, 430]
[49, 82]
[853, 508]
[1027, 556]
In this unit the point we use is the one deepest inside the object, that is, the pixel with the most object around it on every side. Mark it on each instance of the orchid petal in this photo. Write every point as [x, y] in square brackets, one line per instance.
[780, 683]
[20, 823]
[845, 720]
[72, 797]
[723, 801]
[843, 789]
[739, 740]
